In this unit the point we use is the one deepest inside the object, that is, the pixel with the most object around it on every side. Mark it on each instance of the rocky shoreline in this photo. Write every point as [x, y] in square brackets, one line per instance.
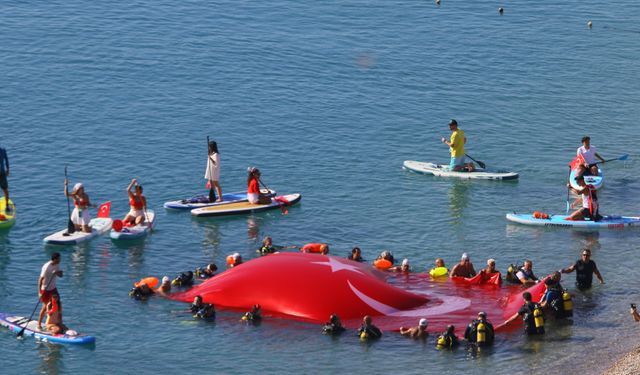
[629, 364]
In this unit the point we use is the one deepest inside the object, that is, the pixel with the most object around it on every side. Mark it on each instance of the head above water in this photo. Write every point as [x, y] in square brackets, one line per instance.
[482, 315]
[356, 251]
[367, 320]
[334, 319]
[491, 262]
[586, 253]
[464, 258]
[267, 241]
[526, 296]
[77, 187]
[528, 264]
[439, 262]
[423, 323]
[451, 329]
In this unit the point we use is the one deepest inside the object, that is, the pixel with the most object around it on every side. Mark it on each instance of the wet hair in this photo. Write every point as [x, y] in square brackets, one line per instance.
[586, 138]
[55, 256]
[526, 296]
[138, 186]
[264, 240]
[213, 147]
[252, 173]
[355, 249]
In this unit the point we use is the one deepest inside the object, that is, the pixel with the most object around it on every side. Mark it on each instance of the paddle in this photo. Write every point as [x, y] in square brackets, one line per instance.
[283, 205]
[70, 227]
[481, 164]
[623, 157]
[21, 333]
[568, 190]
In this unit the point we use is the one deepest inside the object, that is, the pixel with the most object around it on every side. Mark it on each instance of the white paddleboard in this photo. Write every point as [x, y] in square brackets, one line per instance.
[443, 171]
[137, 231]
[99, 226]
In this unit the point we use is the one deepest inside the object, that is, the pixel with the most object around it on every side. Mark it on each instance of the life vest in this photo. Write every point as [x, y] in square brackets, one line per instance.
[317, 248]
[567, 304]
[533, 319]
[382, 264]
[232, 261]
[446, 341]
[137, 204]
[184, 279]
[438, 271]
[266, 250]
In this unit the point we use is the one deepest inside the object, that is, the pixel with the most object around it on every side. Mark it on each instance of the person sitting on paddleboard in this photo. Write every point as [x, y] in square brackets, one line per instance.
[212, 174]
[138, 204]
[464, 268]
[456, 146]
[590, 207]
[54, 316]
[80, 214]
[254, 195]
[356, 255]
[525, 274]
[589, 155]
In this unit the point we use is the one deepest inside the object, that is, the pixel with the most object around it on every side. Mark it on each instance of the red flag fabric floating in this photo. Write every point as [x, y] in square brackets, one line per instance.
[577, 162]
[104, 209]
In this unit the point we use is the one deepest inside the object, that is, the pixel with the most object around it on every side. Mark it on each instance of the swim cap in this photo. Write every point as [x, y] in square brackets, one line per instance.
[405, 262]
[490, 261]
[464, 256]
[423, 322]
[482, 313]
[236, 255]
[165, 279]
[77, 186]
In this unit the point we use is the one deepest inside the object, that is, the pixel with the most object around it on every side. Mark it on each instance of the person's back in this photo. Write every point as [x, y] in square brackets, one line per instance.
[532, 318]
[448, 339]
[480, 332]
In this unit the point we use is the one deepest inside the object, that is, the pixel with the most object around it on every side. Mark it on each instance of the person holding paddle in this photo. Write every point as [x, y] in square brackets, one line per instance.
[47, 283]
[4, 172]
[138, 204]
[589, 155]
[80, 215]
[254, 195]
[212, 174]
[456, 146]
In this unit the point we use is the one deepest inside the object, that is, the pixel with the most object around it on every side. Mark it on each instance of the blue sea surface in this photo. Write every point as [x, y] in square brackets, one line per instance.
[328, 99]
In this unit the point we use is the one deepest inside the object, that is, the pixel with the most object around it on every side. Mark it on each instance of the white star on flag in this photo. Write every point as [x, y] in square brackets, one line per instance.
[336, 265]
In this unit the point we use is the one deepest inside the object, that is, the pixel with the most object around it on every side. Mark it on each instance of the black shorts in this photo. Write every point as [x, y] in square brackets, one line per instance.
[3, 181]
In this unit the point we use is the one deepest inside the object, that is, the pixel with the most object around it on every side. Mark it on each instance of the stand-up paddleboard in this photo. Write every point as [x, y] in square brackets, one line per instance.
[607, 222]
[200, 201]
[443, 171]
[246, 207]
[7, 219]
[99, 226]
[137, 231]
[596, 181]
[17, 323]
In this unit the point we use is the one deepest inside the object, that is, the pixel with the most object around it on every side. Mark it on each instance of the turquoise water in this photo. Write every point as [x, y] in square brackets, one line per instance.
[328, 99]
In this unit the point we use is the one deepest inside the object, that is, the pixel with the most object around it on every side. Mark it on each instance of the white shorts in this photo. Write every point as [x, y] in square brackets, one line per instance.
[80, 217]
[253, 197]
[135, 213]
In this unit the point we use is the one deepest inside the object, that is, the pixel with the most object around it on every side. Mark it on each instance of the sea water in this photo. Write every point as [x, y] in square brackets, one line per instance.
[327, 98]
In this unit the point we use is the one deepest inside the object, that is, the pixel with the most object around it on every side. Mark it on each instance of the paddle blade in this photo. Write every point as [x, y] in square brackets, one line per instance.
[117, 225]
[70, 227]
[624, 157]
[104, 209]
[481, 164]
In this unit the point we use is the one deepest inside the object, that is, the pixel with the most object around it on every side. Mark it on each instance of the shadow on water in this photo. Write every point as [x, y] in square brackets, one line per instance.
[50, 358]
[458, 199]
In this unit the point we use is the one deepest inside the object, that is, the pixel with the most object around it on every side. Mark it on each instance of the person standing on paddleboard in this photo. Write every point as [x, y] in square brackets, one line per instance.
[80, 214]
[456, 146]
[212, 174]
[47, 283]
[138, 204]
[4, 173]
[589, 155]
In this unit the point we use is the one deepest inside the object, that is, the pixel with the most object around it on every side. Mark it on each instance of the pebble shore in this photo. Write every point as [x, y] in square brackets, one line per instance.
[629, 364]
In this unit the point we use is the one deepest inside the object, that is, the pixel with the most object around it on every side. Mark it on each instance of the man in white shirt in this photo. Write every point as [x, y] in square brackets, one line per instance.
[589, 155]
[47, 283]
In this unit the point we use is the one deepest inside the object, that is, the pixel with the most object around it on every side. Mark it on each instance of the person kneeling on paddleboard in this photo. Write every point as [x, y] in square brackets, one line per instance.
[54, 316]
[590, 207]
[456, 146]
[80, 215]
[138, 204]
[253, 188]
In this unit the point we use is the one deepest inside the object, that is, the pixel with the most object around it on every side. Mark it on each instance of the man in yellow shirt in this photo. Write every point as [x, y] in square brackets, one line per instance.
[456, 146]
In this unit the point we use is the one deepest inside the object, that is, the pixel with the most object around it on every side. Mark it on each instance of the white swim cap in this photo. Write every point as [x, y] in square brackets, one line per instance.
[77, 186]
[236, 255]
[464, 256]
[423, 322]
[490, 261]
[165, 279]
[405, 262]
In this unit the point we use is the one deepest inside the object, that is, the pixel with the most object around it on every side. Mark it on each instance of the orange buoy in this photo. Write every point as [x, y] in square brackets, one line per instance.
[150, 281]
[317, 248]
[382, 264]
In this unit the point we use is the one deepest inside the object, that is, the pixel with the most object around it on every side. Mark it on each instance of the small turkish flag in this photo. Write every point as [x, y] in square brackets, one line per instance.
[578, 161]
[104, 209]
